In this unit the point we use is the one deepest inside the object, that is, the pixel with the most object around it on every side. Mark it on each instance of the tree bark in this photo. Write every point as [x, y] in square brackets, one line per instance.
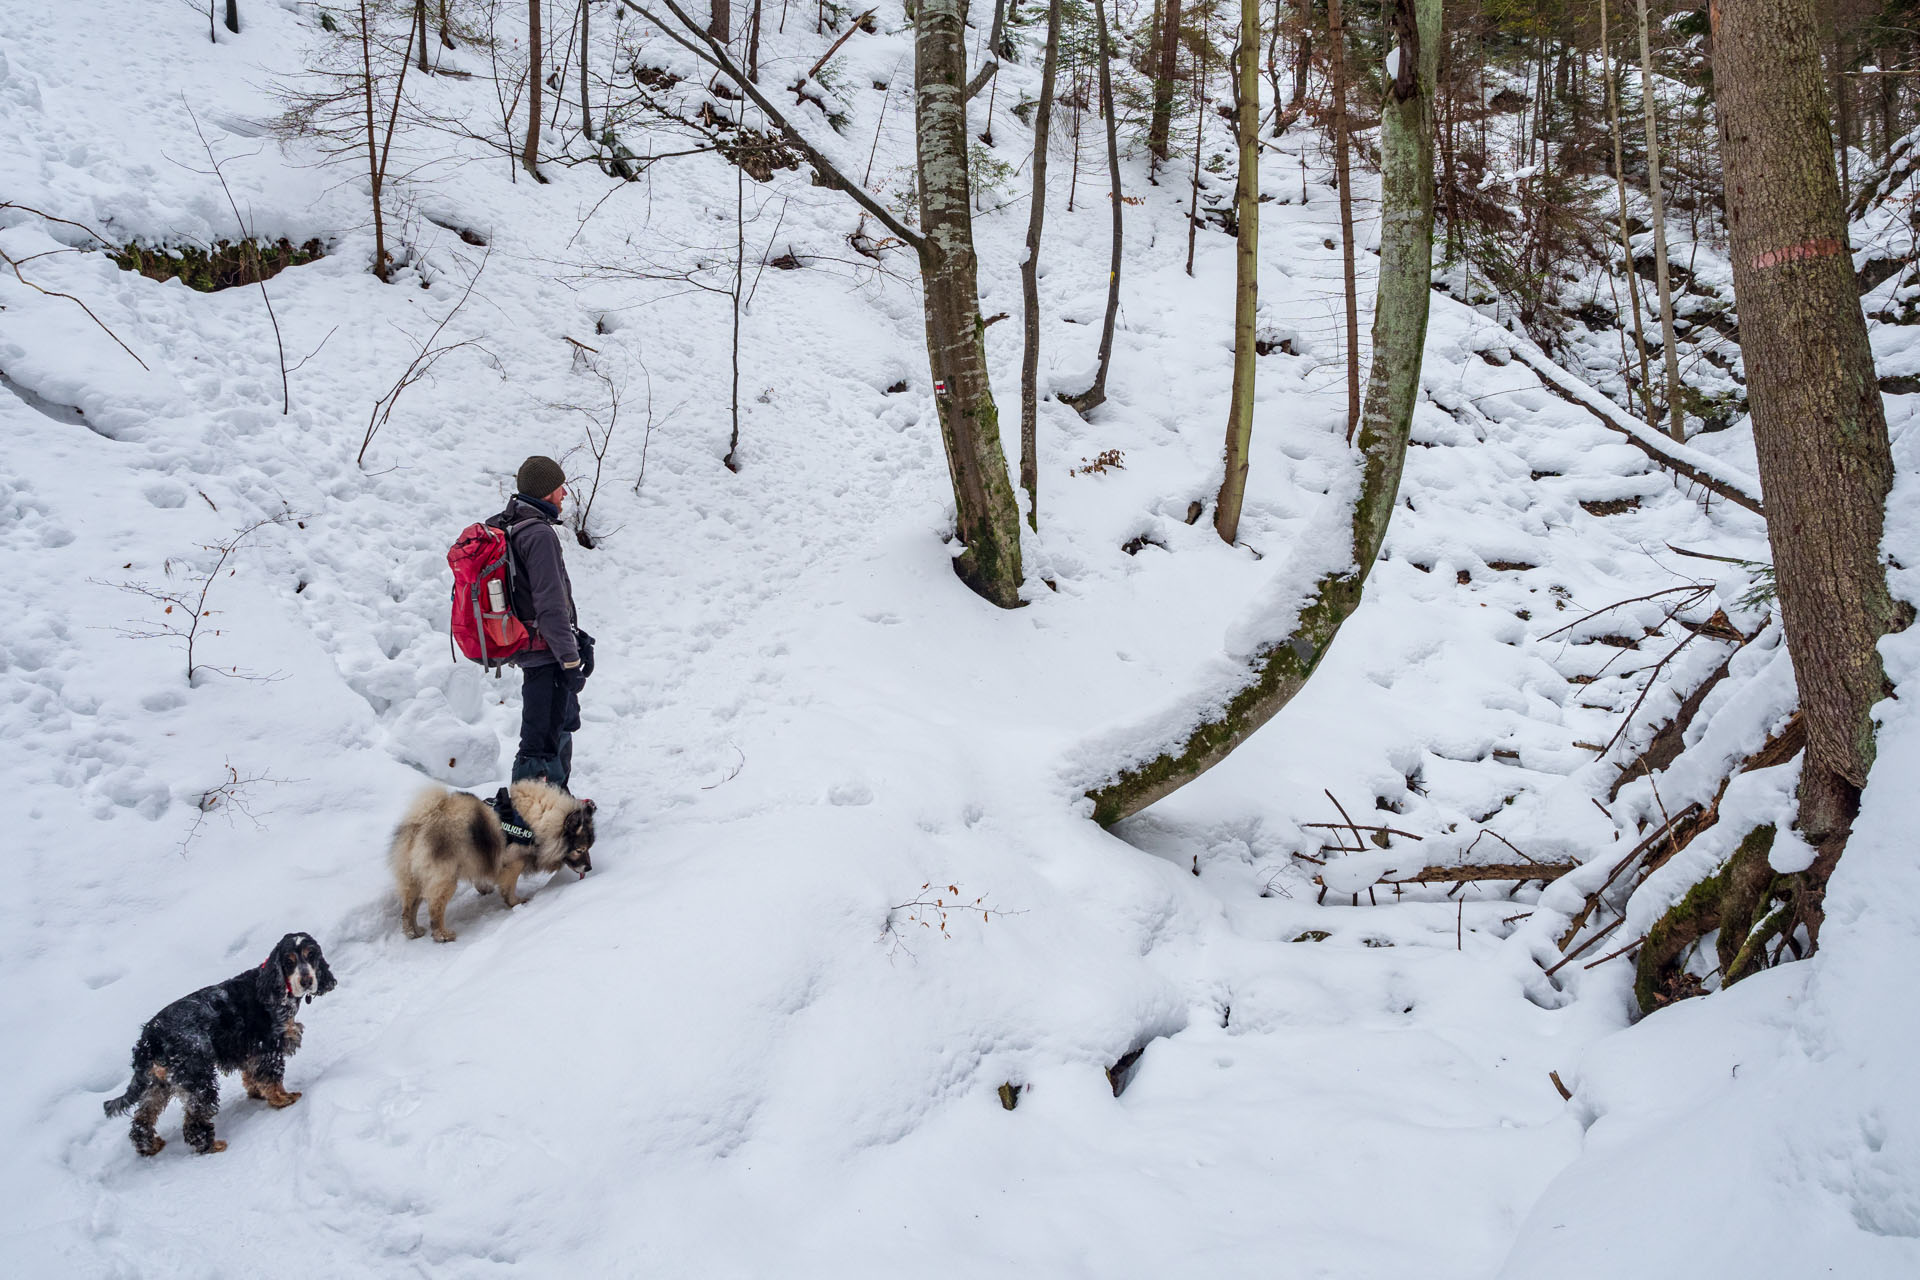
[586, 40]
[233, 16]
[1096, 395]
[1246, 275]
[1199, 147]
[1030, 274]
[1337, 59]
[720, 23]
[536, 77]
[420, 33]
[373, 152]
[1820, 429]
[1626, 240]
[1281, 669]
[1160, 123]
[1676, 415]
[753, 41]
[988, 518]
[1302, 58]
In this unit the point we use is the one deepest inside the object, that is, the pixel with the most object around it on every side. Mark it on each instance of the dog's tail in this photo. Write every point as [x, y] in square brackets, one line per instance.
[142, 1078]
[118, 1106]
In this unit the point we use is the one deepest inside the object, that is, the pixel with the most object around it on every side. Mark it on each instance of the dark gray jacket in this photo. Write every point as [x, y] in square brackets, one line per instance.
[543, 594]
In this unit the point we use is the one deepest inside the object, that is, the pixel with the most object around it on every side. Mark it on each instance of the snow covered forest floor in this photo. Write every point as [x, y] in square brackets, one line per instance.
[739, 1048]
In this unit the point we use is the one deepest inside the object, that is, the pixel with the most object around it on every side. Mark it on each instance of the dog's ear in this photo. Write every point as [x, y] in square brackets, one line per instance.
[323, 970]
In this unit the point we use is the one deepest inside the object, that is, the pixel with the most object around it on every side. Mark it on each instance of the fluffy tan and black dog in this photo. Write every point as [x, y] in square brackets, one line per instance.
[450, 836]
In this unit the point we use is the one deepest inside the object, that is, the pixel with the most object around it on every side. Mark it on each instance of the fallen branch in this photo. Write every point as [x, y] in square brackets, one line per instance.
[692, 37]
[833, 48]
[1458, 875]
[1576, 952]
[1702, 469]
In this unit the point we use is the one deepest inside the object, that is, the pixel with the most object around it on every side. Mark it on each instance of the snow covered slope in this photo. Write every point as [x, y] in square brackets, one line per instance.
[737, 1049]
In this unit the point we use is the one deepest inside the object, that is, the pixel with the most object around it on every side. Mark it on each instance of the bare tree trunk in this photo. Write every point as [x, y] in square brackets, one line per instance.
[1246, 275]
[586, 41]
[1819, 426]
[739, 276]
[753, 42]
[233, 16]
[1626, 240]
[1160, 123]
[720, 25]
[1281, 668]
[1030, 274]
[1337, 60]
[1199, 145]
[987, 516]
[446, 35]
[1302, 58]
[536, 76]
[420, 33]
[373, 152]
[1676, 414]
[1096, 395]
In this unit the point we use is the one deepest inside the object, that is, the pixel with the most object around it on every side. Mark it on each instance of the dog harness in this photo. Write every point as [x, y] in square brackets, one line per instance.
[511, 823]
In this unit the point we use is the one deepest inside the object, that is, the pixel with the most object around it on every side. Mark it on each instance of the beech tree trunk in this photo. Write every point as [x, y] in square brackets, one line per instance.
[1030, 274]
[987, 516]
[1246, 274]
[1160, 123]
[1820, 429]
[1675, 414]
[536, 77]
[1281, 668]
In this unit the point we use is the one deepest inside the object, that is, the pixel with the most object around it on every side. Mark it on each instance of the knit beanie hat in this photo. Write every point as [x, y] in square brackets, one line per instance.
[539, 477]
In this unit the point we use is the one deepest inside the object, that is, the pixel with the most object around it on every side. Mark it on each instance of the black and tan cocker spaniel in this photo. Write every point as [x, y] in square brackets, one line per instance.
[244, 1024]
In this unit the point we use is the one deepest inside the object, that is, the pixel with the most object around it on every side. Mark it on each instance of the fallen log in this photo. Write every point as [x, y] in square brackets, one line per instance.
[1481, 872]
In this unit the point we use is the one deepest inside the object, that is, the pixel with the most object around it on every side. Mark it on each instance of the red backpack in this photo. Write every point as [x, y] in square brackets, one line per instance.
[484, 625]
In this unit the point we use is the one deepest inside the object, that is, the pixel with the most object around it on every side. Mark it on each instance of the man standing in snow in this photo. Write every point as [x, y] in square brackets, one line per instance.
[556, 665]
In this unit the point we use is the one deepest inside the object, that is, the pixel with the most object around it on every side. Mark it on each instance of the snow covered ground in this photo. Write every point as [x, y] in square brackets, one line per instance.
[713, 1056]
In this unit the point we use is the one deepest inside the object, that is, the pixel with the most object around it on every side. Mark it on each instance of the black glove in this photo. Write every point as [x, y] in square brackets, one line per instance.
[585, 642]
[574, 677]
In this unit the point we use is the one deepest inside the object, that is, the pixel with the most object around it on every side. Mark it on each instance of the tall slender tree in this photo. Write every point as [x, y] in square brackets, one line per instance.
[1030, 273]
[536, 76]
[1246, 275]
[1656, 196]
[1626, 240]
[1096, 395]
[586, 42]
[1343, 174]
[1166, 67]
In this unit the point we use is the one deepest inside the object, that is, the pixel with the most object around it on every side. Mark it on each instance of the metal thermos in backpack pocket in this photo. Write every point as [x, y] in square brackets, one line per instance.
[496, 597]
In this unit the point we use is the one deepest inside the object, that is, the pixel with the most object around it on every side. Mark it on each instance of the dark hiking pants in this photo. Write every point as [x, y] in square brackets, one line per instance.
[549, 713]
